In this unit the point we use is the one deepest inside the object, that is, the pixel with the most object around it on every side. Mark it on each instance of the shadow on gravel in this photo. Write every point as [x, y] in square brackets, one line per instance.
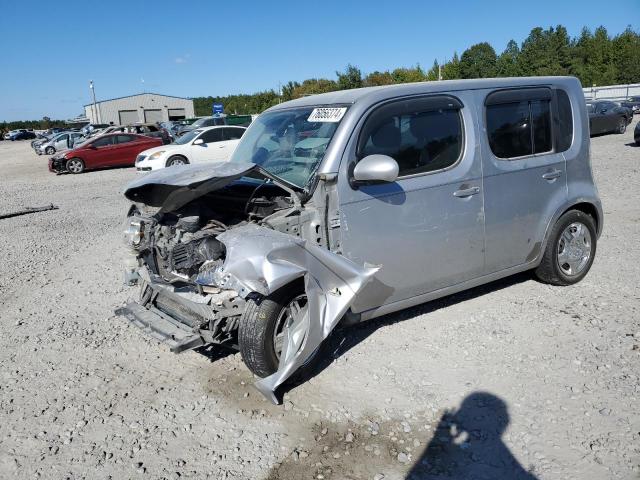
[467, 443]
[344, 339]
[631, 144]
[215, 352]
[462, 444]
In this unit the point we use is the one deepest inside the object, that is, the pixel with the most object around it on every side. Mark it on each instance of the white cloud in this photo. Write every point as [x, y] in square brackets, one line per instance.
[182, 59]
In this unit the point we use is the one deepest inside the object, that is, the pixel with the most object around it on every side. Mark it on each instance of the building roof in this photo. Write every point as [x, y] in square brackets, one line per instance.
[136, 95]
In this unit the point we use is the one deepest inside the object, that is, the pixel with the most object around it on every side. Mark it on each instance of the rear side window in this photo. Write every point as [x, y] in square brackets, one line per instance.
[564, 134]
[125, 138]
[422, 135]
[518, 126]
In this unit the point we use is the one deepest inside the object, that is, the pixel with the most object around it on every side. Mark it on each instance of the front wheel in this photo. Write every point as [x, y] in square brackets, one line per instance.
[176, 160]
[265, 326]
[622, 126]
[50, 151]
[570, 250]
[75, 165]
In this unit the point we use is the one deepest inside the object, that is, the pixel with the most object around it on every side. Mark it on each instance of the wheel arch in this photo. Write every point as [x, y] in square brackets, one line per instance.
[181, 155]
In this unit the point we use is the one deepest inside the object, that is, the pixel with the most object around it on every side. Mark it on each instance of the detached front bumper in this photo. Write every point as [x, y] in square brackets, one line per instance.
[161, 326]
[57, 165]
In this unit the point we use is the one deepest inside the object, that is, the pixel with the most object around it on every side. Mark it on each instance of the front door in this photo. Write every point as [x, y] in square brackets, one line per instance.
[425, 230]
[62, 143]
[525, 178]
[211, 149]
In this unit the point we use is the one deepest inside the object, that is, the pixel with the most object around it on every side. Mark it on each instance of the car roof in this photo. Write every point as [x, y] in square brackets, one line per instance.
[375, 94]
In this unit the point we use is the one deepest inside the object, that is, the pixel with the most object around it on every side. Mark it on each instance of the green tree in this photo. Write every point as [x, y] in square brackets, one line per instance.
[376, 78]
[350, 78]
[451, 69]
[408, 75]
[507, 64]
[478, 61]
[626, 59]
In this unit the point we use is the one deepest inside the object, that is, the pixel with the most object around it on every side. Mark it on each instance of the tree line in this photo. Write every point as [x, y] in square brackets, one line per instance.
[596, 58]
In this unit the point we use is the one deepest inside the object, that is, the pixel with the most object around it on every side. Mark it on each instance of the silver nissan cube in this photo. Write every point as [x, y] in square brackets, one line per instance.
[345, 206]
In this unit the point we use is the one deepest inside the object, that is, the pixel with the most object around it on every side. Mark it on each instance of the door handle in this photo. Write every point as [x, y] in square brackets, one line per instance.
[551, 175]
[466, 192]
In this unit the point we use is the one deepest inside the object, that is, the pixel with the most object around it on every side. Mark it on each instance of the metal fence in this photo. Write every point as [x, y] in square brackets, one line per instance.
[612, 92]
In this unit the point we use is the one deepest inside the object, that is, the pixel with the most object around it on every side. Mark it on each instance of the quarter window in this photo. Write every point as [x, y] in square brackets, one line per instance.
[519, 128]
[565, 122]
[422, 135]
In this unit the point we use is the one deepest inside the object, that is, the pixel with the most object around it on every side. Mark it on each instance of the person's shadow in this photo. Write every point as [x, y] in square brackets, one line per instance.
[467, 444]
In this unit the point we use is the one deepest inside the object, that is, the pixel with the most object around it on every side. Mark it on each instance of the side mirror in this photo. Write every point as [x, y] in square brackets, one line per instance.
[603, 111]
[198, 141]
[376, 168]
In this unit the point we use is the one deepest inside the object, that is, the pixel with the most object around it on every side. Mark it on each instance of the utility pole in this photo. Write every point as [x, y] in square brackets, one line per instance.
[439, 72]
[95, 108]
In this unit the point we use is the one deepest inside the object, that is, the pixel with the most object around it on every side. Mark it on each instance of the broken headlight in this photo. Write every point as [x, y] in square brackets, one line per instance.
[133, 231]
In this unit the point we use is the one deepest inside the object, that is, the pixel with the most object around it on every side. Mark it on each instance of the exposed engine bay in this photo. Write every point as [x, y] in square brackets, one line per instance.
[206, 240]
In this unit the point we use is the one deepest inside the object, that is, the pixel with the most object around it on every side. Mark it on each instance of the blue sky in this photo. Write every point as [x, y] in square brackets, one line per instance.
[50, 50]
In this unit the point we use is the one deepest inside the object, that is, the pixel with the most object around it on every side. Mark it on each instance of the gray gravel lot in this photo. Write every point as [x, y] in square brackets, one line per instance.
[515, 376]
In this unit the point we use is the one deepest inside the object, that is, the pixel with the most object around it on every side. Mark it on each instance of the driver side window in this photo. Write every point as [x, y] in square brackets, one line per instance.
[103, 142]
[423, 135]
[212, 136]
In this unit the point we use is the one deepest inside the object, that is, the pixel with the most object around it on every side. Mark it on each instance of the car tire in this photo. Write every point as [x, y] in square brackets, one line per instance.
[570, 250]
[75, 165]
[261, 323]
[177, 160]
[50, 151]
[622, 126]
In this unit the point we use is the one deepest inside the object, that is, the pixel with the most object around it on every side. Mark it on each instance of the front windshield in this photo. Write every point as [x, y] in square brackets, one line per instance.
[290, 144]
[187, 137]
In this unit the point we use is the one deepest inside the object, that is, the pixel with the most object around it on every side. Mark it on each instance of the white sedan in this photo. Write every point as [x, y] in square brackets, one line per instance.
[209, 144]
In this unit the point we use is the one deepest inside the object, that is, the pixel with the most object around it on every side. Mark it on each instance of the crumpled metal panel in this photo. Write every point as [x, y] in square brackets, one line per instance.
[176, 186]
[263, 260]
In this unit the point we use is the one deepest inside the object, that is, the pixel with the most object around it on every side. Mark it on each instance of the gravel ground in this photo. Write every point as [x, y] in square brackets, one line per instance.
[516, 376]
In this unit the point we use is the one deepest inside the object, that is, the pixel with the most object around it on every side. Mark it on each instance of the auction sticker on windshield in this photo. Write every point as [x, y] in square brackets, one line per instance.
[328, 114]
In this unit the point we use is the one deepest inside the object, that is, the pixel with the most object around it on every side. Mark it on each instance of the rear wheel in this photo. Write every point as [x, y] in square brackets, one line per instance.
[75, 165]
[264, 328]
[176, 160]
[50, 151]
[570, 251]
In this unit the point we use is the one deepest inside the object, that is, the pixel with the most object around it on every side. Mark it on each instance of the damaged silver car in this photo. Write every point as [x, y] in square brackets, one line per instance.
[351, 205]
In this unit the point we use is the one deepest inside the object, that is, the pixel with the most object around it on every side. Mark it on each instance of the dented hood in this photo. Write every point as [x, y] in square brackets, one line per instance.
[174, 187]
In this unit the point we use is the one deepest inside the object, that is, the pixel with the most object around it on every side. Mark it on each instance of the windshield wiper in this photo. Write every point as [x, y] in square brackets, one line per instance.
[289, 187]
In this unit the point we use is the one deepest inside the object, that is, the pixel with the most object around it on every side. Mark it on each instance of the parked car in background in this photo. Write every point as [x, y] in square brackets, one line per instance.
[12, 134]
[607, 117]
[633, 103]
[89, 129]
[112, 150]
[200, 123]
[211, 144]
[58, 143]
[23, 135]
[150, 130]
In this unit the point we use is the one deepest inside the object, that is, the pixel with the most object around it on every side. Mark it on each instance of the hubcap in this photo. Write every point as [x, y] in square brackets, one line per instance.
[75, 166]
[574, 249]
[177, 161]
[292, 321]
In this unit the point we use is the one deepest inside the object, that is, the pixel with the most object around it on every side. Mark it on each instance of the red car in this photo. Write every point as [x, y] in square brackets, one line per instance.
[114, 150]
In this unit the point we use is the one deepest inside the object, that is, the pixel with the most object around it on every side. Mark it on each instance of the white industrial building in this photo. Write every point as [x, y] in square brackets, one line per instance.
[141, 108]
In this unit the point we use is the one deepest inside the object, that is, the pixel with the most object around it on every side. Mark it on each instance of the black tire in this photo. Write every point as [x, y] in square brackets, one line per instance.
[256, 330]
[550, 270]
[75, 165]
[622, 126]
[50, 151]
[177, 160]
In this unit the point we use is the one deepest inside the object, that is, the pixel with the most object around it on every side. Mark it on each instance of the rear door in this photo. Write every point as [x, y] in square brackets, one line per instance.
[524, 171]
[126, 149]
